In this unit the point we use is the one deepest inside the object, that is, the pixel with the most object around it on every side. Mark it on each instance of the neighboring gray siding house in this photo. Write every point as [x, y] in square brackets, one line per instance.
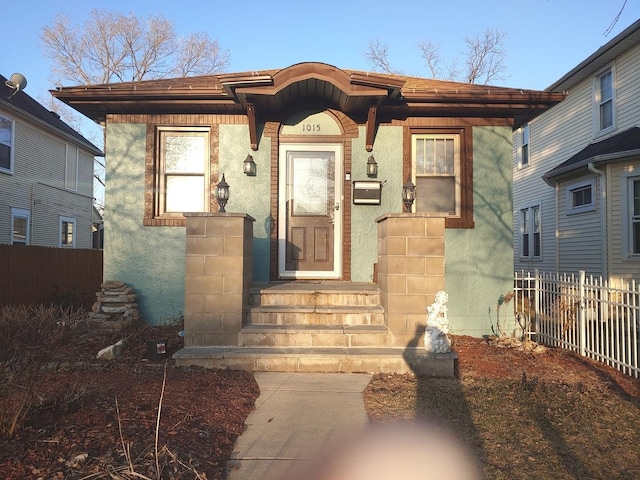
[577, 170]
[46, 176]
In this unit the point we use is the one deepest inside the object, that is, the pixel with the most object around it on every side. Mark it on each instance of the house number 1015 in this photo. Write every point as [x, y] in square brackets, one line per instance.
[310, 127]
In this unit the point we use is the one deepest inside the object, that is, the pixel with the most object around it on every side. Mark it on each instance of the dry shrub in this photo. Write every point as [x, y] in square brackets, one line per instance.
[31, 336]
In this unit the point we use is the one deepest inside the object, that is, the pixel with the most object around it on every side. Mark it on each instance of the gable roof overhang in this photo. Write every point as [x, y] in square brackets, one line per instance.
[615, 148]
[269, 94]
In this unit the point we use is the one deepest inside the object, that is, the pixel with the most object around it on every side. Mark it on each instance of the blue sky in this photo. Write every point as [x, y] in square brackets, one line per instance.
[545, 38]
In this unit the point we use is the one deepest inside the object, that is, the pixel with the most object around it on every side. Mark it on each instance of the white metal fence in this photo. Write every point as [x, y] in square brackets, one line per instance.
[597, 318]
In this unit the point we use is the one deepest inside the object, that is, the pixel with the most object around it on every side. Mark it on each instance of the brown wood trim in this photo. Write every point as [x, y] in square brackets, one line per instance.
[466, 219]
[253, 130]
[350, 129]
[451, 122]
[371, 128]
[152, 218]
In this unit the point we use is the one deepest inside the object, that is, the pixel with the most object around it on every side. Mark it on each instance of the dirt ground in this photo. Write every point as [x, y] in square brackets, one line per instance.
[95, 417]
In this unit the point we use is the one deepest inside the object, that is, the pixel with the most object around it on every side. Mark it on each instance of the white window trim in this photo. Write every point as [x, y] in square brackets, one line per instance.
[570, 208]
[73, 186]
[75, 231]
[13, 146]
[520, 144]
[160, 196]
[626, 202]
[529, 208]
[597, 132]
[21, 213]
[457, 139]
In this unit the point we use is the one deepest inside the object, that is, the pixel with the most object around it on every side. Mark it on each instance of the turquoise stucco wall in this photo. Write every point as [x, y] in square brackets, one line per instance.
[364, 231]
[478, 261]
[150, 259]
[249, 195]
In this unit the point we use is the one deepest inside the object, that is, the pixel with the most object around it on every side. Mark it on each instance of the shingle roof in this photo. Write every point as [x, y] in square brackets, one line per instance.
[618, 146]
[25, 104]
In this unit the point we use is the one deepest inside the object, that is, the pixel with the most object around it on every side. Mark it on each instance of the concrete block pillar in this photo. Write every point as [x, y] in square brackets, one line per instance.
[218, 274]
[410, 272]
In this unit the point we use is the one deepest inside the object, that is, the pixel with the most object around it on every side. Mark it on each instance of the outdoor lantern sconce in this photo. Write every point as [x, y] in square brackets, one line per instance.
[408, 195]
[249, 166]
[372, 167]
[222, 194]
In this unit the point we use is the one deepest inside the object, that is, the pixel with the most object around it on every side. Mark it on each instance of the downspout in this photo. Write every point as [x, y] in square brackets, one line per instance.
[603, 220]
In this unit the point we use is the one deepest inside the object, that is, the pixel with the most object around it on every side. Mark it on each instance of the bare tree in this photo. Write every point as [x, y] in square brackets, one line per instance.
[485, 60]
[378, 57]
[431, 56]
[111, 46]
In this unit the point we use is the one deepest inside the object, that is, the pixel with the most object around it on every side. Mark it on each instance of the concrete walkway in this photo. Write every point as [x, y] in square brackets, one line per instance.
[295, 415]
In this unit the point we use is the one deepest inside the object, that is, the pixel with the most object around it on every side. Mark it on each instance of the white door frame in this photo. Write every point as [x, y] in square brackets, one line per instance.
[336, 272]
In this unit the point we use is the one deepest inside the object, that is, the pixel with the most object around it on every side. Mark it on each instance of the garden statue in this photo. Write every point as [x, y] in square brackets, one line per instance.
[435, 335]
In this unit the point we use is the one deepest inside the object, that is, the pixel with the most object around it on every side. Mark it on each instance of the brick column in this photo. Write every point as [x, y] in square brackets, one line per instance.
[218, 274]
[410, 272]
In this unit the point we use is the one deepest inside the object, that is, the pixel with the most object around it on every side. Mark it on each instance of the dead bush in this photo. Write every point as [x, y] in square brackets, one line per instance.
[31, 336]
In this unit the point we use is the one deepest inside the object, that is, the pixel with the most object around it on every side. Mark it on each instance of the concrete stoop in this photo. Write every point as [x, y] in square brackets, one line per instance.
[316, 327]
[321, 360]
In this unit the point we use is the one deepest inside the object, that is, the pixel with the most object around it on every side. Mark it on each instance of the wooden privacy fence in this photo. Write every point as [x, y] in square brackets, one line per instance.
[43, 275]
[596, 318]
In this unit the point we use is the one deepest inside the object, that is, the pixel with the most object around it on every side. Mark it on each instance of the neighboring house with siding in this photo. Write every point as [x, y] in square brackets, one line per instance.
[577, 170]
[46, 176]
[311, 215]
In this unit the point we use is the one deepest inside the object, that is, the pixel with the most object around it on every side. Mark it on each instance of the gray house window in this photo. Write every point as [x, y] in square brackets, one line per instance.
[6, 144]
[580, 197]
[635, 215]
[67, 232]
[530, 233]
[630, 203]
[20, 226]
[524, 146]
[605, 101]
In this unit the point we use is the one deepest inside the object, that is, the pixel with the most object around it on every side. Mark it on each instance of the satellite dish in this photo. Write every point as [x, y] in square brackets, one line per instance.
[17, 82]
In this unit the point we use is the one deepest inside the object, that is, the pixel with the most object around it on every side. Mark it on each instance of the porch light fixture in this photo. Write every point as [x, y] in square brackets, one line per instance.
[249, 166]
[222, 194]
[408, 195]
[372, 167]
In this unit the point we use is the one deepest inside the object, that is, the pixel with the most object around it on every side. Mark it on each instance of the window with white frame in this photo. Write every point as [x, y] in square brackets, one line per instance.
[524, 146]
[6, 144]
[530, 233]
[182, 182]
[604, 101]
[67, 232]
[20, 226]
[630, 193]
[581, 197]
[436, 166]
[71, 169]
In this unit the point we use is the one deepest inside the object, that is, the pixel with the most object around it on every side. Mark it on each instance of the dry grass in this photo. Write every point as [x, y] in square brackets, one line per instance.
[521, 426]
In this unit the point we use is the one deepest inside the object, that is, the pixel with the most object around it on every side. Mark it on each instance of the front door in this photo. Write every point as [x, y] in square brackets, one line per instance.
[310, 197]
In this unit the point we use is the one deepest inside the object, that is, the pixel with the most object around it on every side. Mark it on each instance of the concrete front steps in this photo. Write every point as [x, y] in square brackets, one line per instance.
[321, 359]
[316, 326]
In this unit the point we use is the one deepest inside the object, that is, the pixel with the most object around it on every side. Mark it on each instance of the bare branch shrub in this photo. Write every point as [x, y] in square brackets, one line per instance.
[31, 337]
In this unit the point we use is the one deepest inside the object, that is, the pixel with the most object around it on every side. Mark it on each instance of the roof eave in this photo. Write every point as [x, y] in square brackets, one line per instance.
[556, 174]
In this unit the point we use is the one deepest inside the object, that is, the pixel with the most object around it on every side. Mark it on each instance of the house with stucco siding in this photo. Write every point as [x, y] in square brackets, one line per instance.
[317, 248]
